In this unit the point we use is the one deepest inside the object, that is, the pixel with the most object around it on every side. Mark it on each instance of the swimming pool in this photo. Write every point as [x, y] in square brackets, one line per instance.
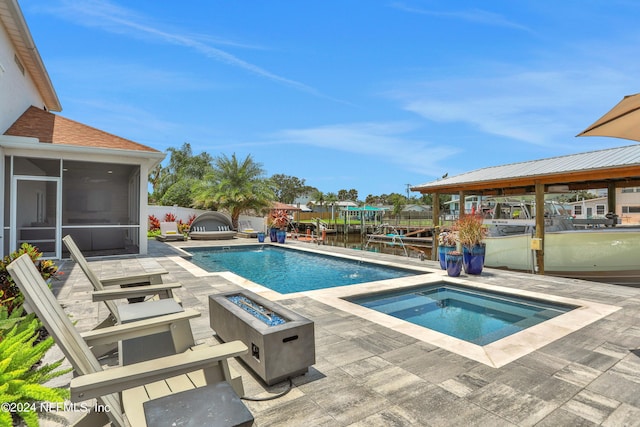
[478, 317]
[289, 270]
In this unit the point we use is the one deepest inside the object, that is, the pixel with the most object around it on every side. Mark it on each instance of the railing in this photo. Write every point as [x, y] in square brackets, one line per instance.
[419, 218]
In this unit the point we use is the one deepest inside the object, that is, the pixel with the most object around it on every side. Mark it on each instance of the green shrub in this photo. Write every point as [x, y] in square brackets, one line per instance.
[21, 372]
[10, 296]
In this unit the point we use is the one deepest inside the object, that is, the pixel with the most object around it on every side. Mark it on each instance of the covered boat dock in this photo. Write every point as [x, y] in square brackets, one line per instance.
[609, 168]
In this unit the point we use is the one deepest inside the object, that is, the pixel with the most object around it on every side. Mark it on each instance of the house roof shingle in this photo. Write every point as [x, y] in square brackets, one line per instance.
[54, 129]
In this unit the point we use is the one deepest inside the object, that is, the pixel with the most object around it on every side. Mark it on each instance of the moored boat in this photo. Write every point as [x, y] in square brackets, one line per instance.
[602, 253]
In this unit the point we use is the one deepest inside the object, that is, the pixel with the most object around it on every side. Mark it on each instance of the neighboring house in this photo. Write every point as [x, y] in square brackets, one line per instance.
[589, 208]
[408, 208]
[471, 204]
[325, 206]
[627, 206]
[59, 176]
[416, 208]
[303, 202]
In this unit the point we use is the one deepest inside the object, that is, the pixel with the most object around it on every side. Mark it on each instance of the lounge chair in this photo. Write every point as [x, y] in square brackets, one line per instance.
[137, 383]
[246, 230]
[169, 232]
[138, 285]
[141, 348]
[212, 226]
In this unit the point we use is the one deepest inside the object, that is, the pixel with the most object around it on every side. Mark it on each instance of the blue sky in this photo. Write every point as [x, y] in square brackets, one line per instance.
[371, 95]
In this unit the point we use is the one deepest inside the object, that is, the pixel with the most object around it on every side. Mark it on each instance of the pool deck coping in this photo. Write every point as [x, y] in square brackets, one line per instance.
[495, 354]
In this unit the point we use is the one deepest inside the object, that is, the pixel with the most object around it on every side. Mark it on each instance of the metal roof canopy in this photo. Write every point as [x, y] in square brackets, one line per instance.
[595, 169]
[610, 168]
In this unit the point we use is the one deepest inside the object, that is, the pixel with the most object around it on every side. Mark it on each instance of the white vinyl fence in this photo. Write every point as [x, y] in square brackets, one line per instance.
[257, 223]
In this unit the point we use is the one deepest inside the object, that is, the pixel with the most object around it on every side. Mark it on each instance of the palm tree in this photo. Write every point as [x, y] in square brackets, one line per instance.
[234, 186]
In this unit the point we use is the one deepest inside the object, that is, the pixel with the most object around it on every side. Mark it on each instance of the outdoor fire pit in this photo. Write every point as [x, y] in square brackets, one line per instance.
[281, 342]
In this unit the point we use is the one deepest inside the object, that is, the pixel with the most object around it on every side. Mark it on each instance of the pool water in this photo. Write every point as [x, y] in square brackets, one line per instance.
[475, 316]
[288, 270]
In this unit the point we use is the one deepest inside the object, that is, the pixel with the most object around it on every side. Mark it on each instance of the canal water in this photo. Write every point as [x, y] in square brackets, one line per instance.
[358, 242]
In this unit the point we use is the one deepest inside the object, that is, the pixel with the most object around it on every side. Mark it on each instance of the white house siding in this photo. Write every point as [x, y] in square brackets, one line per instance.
[126, 208]
[17, 93]
[17, 90]
[590, 208]
[628, 205]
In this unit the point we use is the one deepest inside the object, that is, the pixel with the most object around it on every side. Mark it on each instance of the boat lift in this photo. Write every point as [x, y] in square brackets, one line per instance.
[396, 238]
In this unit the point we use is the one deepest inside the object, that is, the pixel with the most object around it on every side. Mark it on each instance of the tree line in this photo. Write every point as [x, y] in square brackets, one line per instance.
[241, 185]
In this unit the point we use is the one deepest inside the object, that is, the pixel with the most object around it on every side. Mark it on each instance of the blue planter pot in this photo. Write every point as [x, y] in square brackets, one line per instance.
[473, 259]
[442, 252]
[454, 264]
[261, 237]
[273, 234]
[281, 236]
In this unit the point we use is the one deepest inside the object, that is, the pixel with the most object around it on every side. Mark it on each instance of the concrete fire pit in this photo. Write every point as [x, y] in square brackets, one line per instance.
[281, 342]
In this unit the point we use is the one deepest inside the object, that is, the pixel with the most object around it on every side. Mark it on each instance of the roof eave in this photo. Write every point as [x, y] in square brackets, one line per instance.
[27, 51]
[153, 158]
[580, 179]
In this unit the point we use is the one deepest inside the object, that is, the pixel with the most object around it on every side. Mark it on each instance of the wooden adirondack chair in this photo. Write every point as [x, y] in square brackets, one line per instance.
[179, 339]
[138, 382]
[139, 285]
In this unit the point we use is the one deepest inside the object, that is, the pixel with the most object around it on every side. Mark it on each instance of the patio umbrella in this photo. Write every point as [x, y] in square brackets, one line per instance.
[622, 121]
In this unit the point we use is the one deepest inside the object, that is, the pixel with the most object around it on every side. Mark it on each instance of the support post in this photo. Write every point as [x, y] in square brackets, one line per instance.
[611, 199]
[435, 209]
[540, 226]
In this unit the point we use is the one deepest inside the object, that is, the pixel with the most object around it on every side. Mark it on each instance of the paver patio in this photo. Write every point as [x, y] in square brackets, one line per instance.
[368, 374]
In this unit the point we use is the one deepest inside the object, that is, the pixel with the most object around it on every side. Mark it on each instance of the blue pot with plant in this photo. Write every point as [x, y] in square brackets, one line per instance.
[471, 233]
[278, 221]
[447, 240]
[454, 263]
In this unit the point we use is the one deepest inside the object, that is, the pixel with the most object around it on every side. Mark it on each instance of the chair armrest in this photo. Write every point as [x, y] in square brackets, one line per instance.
[151, 278]
[134, 291]
[139, 328]
[120, 378]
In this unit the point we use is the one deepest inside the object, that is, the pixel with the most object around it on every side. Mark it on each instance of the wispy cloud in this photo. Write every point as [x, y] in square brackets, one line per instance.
[476, 16]
[113, 18]
[538, 107]
[389, 141]
[84, 72]
[121, 119]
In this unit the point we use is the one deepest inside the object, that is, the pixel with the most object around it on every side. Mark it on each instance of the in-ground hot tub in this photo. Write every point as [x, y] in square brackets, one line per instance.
[281, 342]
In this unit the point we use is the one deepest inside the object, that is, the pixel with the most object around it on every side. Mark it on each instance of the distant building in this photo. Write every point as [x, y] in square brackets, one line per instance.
[471, 204]
[590, 208]
[316, 206]
[627, 206]
[416, 208]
